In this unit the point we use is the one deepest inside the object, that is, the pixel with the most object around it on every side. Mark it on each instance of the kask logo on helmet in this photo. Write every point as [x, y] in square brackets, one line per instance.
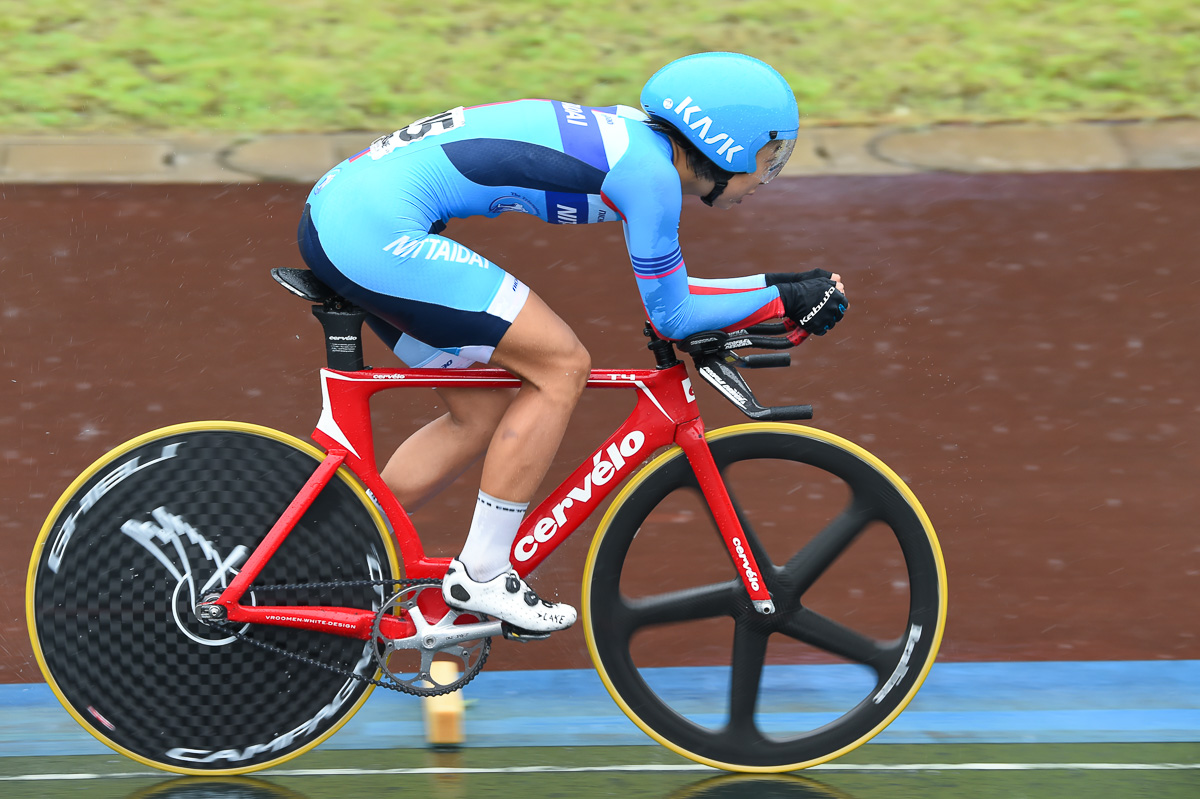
[685, 109]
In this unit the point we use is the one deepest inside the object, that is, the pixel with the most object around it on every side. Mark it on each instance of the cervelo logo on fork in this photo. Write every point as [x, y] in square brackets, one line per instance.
[751, 575]
[603, 471]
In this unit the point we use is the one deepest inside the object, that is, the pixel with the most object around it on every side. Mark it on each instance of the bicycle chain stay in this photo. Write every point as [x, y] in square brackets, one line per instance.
[229, 629]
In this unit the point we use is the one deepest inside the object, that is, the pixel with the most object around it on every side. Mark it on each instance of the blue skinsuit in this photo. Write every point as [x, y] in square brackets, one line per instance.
[371, 226]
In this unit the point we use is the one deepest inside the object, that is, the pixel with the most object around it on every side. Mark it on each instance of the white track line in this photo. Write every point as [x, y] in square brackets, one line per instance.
[847, 767]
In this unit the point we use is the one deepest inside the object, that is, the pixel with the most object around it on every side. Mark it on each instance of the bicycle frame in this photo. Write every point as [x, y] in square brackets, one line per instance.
[665, 413]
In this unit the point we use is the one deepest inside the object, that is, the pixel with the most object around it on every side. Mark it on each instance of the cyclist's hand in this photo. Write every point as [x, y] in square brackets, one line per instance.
[775, 278]
[815, 304]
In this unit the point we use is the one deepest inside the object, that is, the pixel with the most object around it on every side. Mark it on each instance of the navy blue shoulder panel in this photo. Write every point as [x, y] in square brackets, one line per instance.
[503, 162]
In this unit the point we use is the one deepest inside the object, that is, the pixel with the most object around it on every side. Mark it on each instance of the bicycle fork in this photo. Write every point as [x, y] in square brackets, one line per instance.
[690, 438]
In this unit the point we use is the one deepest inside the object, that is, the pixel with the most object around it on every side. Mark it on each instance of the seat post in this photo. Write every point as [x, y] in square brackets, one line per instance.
[342, 324]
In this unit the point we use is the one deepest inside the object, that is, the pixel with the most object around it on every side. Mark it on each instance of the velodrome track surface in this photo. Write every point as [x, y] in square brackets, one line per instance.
[873, 772]
[1020, 348]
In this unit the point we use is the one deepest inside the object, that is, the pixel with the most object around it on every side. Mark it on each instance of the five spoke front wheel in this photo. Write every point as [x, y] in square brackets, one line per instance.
[852, 564]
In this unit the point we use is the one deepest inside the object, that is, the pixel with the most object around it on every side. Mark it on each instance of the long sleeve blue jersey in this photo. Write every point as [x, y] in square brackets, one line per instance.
[561, 162]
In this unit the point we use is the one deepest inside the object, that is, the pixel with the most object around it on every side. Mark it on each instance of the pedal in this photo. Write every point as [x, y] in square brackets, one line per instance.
[512, 633]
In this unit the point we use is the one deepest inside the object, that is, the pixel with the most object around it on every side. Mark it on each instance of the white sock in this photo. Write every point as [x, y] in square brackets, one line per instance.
[489, 542]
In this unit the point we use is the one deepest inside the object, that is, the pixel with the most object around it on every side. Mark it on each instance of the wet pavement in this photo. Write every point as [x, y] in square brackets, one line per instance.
[873, 772]
[1021, 348]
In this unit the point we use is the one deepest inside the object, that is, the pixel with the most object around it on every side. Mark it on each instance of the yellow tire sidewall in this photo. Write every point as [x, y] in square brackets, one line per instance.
[713, 436]
[188, 427]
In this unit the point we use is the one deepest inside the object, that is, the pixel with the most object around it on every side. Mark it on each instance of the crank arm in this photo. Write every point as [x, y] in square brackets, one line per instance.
[438, 637]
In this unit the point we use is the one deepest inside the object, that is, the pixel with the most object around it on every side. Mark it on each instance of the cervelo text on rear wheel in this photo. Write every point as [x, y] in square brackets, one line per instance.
[852, 564]
[149, 529]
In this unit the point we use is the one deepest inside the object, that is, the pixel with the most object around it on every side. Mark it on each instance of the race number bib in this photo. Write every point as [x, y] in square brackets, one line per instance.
[429, 126]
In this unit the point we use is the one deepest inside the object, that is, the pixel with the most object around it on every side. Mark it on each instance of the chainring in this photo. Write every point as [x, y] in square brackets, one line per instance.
[407, 663]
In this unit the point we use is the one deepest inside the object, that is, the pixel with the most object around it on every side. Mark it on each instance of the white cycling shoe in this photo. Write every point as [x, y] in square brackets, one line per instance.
[505, 597]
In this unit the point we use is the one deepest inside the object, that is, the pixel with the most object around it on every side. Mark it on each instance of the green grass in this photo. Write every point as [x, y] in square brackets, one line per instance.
[325, 65]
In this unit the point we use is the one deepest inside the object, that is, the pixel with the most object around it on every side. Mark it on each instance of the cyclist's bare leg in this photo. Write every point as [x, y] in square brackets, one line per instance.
[553, 366]
[542, 350]
[437, 454]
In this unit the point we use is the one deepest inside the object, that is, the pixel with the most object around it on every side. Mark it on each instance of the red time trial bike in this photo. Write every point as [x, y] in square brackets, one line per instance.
[218, 597]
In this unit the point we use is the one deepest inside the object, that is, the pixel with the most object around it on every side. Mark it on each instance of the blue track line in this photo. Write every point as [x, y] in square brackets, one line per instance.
[1055, 702]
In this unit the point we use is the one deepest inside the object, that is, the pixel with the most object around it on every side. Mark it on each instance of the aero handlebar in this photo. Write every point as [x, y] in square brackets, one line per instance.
[715, 356]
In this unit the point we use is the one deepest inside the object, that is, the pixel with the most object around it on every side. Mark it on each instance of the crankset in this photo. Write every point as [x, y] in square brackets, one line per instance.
[407, 662]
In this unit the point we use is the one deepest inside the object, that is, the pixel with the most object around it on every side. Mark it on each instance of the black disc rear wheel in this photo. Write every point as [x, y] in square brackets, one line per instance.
[148, 530]
[854, 570]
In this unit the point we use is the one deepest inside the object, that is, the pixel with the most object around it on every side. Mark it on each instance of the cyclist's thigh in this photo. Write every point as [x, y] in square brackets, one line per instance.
[540, 347]
[439, 292]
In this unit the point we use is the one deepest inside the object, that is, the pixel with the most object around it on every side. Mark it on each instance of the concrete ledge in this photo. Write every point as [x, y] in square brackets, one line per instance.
[1167, 145]
[302, 158]
[1005, 148]
[110, 159]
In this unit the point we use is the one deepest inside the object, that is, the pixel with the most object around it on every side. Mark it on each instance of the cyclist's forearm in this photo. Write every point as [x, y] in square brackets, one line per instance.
[726, 285]
[676, 311]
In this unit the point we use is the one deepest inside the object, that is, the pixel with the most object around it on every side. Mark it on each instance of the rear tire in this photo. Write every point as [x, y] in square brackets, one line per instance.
[852, 564]
[139, 537]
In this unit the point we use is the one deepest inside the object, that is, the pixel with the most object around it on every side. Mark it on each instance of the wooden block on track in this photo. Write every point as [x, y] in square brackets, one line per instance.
[444, 714]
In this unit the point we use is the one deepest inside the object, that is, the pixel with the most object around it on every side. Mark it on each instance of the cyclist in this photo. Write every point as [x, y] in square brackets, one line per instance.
[715, 125]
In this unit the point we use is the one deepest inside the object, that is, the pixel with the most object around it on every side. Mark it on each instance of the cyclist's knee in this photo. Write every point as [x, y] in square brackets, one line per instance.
[544, 352]
[575, 364]
[564, 372]
[579, 365]
[579, 378]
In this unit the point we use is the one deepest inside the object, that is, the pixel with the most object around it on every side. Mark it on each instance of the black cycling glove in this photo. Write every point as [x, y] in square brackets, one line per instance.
[775, 278]
[814, 304]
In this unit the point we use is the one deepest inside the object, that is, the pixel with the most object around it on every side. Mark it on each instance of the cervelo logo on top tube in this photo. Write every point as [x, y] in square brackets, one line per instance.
[684, 111]
[603, 471]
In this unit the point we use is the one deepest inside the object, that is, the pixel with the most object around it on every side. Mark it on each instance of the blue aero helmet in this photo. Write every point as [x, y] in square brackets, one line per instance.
[729, 105]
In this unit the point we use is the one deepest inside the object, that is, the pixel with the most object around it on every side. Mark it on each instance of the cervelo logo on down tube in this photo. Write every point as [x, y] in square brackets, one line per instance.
[603, 471]
[684, 111]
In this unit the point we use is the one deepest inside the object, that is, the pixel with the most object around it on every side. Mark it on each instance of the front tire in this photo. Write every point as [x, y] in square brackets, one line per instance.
[851, 561]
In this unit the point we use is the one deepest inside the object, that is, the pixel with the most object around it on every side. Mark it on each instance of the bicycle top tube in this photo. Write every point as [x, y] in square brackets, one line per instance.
[665, 400]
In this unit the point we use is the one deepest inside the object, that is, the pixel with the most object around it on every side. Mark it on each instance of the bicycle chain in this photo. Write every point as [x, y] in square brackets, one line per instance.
[228, 628]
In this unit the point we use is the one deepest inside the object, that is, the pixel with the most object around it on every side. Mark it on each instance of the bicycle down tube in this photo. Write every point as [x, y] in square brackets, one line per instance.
[665, 414]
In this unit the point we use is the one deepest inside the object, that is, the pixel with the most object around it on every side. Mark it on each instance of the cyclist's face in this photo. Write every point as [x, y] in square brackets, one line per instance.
[744, 184]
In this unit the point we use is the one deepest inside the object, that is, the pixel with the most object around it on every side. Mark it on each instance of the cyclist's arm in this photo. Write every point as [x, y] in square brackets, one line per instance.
[726, 285]
[676, 305]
